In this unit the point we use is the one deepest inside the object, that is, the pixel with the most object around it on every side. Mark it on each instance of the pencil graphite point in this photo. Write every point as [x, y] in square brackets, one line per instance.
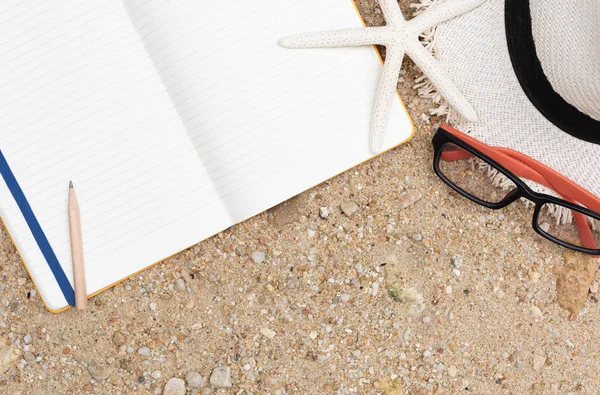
[70, 184]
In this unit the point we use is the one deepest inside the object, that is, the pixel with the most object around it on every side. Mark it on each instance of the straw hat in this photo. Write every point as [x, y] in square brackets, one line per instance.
[531, 71]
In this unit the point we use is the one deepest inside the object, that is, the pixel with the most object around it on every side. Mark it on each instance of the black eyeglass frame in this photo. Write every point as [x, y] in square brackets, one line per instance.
[442, 137]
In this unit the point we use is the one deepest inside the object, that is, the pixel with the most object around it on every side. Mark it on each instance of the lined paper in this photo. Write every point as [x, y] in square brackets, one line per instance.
[174, 120]
[81, 101]
[267, 122]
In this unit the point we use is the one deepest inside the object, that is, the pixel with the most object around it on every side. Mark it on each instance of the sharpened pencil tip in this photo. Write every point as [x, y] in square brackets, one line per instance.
[70, 184]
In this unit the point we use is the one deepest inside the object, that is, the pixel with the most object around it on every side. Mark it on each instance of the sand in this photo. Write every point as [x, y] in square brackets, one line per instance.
[442, 296]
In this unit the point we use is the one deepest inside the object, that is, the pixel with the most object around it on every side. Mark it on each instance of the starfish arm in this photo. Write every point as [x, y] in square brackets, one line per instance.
[391, 12]
[386, 91]
[442, 81]
[337, 38]
[441, 13]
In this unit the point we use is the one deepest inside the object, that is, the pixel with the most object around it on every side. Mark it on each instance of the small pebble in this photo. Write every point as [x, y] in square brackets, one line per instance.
[145, 351]
[457, 261]
[452, 371]
[174, 386]
[268, 333]
[538, 362]
[417, 237]
[27, 338]
[324, 212]
[349, 208]
[534, 276]
[536, 312]
[258, 256]
[179, 285]
[221, 377]
[195, 380]
[119, 339]
[408, 198]
[375, 289]
[96, 371]
[345, 298]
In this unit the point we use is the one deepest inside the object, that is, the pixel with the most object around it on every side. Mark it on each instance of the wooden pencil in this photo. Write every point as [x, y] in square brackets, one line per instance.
[77, 250]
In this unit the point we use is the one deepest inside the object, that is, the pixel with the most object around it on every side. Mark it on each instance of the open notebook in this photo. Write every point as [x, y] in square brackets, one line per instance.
[175, 120]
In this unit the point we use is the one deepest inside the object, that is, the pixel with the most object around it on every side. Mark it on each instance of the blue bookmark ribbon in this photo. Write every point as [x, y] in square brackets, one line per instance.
[36, 231]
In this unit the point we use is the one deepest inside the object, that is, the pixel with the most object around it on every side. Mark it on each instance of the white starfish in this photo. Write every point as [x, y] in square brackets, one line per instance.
[400, 37]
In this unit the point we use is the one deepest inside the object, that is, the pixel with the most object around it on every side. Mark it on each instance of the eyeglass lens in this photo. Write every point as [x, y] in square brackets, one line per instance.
[472, 175]
[569, 226]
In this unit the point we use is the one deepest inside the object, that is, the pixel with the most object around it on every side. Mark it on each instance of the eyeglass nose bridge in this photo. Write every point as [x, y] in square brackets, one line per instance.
[523, 191]
[515, 194]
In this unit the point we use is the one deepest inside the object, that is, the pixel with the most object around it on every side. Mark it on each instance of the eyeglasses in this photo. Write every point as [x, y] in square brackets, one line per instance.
[490, 176]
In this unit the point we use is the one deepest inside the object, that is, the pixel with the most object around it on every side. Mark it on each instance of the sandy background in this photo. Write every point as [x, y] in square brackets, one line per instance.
[442, 296]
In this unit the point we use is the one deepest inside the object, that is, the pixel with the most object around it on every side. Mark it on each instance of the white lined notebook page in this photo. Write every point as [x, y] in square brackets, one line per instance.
[267, 122]
[80, 100]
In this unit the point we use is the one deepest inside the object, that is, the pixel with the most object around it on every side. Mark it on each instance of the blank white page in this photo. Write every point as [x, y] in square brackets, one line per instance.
[80, 100]
[267, 122]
